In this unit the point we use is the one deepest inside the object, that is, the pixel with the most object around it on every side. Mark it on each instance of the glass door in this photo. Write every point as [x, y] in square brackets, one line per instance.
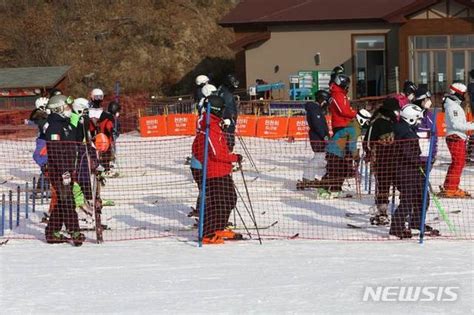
[459, 66]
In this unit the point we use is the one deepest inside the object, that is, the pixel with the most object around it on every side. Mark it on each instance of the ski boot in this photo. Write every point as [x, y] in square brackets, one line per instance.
[56, 238]
[454, 193]
[212, 239]
[323, 193]
[45, 218]
[380, 217]
[194, 213]
[77, 238]
[306, 183]
[401, 233]
[229, 235]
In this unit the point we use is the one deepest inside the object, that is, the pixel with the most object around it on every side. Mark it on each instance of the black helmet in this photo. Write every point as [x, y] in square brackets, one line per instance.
[409, 87]
[113, 108]
[342, 81]
[216, 104]
[322, 96]
[231, 82]
[390, 108]
[338, 70]
[54, 92]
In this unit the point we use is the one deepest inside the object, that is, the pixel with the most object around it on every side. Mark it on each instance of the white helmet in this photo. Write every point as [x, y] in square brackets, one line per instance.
[412, 114]
[41, 103]
[363, 116]
[97, 95]
[208, 90]
[201, 79]
[80, 105]
[458, 89]
[57, 104]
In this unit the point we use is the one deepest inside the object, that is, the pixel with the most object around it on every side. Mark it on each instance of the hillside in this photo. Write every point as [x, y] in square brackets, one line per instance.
[151, 46]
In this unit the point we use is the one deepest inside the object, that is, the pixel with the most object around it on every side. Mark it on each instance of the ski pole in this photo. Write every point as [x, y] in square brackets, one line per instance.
[247, 153]
[245, 205]
[2, 227]
[442, 212]
[427, 178]
[26, 200]
[33, 195]
[250, 202]
[17, 205]
[243, 222]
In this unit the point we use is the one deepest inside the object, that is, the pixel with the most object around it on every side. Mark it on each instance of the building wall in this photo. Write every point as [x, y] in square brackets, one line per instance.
[293, 48]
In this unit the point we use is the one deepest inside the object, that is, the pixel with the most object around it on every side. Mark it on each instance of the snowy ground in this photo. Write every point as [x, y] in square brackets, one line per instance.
[279, 277]
[169, 274]
[156, 190]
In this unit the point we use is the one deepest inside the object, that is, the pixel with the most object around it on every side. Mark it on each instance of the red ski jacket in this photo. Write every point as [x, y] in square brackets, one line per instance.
[340, 107]
[220, 160]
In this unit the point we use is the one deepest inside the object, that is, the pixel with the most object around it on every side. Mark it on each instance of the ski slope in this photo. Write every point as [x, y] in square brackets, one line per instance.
[278, 277]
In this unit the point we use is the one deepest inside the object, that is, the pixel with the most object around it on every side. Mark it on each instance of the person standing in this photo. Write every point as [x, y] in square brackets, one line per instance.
[470, 145]
[407, 95]
[342, 152]
[318, 137]
[410, 179]
[456, 128]
[423, 100]
[226, 92]
[62, 152]
[340, 107]
[220, 192]
[379, 149]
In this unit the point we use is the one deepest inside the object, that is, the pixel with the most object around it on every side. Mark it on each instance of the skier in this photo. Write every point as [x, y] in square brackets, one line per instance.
[201, 81]
[340, 107]
[423, 100]
[60, 137]
[379, 148]
[407, 95]
[342, 152]
[39, 116]
[456, 128]
[410, 174]
[226, 92]
[318, 136]
[221, 197]
[470, 145]
[337, 70]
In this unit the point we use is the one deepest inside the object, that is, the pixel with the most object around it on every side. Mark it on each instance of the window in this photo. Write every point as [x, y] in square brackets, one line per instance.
[369, 65]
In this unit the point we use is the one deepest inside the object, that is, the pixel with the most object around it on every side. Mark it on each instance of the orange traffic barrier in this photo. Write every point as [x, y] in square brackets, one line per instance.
[153, 126]
[272, 127]
[181, 124]
[298, 127]
[440, 124]
[246, 125]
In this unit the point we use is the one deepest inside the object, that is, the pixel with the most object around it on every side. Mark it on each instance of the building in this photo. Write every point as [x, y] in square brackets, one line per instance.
[379, 42]
[19, 87]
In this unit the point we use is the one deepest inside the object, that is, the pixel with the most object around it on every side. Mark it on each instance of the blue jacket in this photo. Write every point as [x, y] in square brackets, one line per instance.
[318, 127]
[230, 110]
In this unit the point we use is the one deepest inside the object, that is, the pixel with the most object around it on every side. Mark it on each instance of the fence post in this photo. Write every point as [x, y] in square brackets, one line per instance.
[204, 175]
[26, 200]
[10, 209]
[33, 196]
[2, 223]
[42, 187]
[427, 178]
[18, 205]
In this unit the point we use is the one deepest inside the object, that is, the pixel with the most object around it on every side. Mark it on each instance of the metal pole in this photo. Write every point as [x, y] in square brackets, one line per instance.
[204, 175]
[33, 195]
[42, 187]
[26, 200]
[10, 209]
[2, 223]
[17, 205]
[427, 178]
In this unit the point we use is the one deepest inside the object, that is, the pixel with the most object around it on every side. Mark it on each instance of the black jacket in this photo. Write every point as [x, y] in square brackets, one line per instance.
[318, 128]
[61, 146]
[40, 118]
[377, 138]
[407, 152]
[230, 110]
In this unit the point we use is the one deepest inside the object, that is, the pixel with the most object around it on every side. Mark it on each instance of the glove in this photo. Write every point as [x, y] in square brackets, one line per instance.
[66, 178]
[79, 199]
[240, 158]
